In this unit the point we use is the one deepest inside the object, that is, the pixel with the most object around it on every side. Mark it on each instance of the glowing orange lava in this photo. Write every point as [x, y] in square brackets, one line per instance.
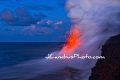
[73, 41]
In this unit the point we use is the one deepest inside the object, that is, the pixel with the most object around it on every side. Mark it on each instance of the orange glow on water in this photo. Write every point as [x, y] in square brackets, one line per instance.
[73, 41]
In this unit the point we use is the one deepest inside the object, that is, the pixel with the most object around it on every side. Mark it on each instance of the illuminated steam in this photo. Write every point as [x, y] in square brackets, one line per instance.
[97, 20]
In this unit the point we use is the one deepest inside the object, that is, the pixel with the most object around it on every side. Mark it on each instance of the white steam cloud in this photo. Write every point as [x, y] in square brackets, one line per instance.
[98, 20]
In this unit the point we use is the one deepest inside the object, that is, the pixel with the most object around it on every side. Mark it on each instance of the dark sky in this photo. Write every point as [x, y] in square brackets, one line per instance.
[33, 21]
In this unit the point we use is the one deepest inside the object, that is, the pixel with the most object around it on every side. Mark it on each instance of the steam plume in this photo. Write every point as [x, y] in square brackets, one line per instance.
[98, 20]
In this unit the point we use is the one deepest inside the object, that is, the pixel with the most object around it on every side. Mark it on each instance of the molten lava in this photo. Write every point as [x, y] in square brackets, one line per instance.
[73, 41]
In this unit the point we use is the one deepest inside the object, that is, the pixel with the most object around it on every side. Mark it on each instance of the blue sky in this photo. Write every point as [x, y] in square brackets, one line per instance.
[33, 21]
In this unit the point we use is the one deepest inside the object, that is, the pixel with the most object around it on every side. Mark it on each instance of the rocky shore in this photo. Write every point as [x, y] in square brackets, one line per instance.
[108, 68]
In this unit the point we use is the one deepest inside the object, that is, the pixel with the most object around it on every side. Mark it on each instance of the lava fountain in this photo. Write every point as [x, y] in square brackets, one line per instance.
[73, 41]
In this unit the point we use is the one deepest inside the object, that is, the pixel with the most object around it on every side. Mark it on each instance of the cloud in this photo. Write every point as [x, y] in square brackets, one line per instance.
[49, 22]
[34, 30]
[8, 16]
[40, 22]
[40, 15]
[43, 23]
[60, 22]
[21, 18]
[40, 28]
[43, 28]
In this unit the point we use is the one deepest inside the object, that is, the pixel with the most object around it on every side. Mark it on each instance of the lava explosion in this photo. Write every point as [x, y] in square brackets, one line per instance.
[73, 41]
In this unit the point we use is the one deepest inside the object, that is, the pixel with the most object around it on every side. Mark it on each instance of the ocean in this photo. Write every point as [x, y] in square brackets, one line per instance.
[26, 61]
[12, 53]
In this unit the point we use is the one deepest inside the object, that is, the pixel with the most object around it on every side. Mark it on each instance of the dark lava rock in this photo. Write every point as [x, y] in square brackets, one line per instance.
[108, 68]
[113, 39]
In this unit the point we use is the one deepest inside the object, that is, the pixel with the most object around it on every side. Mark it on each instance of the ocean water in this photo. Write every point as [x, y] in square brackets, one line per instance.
[12, 53]
[25, 61]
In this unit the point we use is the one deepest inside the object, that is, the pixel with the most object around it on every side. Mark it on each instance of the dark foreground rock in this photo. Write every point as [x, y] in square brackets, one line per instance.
[108, 68]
